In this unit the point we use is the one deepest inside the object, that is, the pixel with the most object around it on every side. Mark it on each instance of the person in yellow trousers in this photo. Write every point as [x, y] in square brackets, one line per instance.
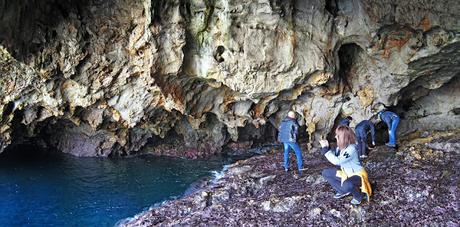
[351, 178]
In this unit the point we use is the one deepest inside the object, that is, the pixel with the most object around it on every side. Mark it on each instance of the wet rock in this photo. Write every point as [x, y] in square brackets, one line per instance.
[239, 170]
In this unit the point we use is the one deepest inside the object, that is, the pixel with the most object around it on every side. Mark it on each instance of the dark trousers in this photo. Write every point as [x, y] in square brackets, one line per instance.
[362, 145]
[349, 185]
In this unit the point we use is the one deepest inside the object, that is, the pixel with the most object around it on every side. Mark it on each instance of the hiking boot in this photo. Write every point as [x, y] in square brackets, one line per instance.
[355, 201]
[339, 195]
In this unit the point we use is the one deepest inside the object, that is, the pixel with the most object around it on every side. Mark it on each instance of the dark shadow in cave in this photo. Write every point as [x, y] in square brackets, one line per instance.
[263, 135]
[266, 135]
[27, 25]
[172, 140]
[332, 7]
[7, 110]
[348, 55]
[23, 143]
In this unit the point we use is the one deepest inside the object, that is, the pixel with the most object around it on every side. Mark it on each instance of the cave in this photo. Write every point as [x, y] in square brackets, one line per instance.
[332, 7]
[349, 55]
[120, 84]
[27, 26]
[264, 134]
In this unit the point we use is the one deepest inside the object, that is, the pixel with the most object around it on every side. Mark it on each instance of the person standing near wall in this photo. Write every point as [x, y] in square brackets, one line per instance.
[288, 132]
[361, 130]
[391, 120]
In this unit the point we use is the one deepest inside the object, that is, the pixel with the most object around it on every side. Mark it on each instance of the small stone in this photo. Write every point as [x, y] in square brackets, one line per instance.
[239, 170]
[315, 212]
[335, 213]
[266, 180]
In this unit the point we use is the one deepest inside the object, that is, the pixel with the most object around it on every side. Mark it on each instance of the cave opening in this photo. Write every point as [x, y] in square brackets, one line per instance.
[349, 57]
[55, 135]
[7, 110]
[24, 145]
[332, 7]
[264, 134]
[27, 26]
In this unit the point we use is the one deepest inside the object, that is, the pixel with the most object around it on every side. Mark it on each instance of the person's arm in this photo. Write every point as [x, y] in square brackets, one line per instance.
[342, 158]
[330, 154]
[295, 129]
[279, 132]
[372, 128]
[324, 150]
[324, 146]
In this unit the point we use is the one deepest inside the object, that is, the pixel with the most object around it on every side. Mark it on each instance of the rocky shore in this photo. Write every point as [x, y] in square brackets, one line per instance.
[418, 184]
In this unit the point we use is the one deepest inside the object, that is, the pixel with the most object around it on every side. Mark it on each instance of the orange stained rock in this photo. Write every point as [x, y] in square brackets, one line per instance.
[395, 39]
[425, 24]
[366, 96]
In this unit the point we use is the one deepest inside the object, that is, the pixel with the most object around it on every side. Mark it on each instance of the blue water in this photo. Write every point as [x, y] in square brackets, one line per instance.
[43, 189]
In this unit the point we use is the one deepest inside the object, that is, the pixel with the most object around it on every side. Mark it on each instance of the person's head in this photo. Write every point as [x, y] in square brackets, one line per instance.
[345, 136]
[291, 114]
[374, 119]
[379, 114]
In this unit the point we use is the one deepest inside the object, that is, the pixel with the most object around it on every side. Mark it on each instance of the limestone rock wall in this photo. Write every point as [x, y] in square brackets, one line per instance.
[111, 76]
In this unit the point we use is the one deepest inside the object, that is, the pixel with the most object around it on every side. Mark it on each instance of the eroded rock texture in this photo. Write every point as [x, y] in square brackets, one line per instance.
[111, 76]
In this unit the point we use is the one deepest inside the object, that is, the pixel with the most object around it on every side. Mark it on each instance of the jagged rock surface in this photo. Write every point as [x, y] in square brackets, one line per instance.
[195, 75]
[417, 185]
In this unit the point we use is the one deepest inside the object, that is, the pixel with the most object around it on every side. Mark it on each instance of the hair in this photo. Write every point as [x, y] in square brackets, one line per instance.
[349, 118]
[345, 136]
[291, 114]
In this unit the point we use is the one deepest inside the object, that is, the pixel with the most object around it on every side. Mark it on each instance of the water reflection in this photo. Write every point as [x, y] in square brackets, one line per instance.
[42, 188]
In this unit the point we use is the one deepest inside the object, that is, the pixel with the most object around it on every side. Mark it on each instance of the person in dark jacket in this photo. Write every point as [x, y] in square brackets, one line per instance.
[391, 120]
[361, 130]
[351, 174]
[288, 131]
[346, 121]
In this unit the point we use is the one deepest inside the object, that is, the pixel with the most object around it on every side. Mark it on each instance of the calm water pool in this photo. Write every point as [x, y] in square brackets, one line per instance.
[39, 189]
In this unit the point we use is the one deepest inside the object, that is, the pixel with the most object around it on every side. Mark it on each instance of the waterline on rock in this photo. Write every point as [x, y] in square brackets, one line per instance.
[63, 190]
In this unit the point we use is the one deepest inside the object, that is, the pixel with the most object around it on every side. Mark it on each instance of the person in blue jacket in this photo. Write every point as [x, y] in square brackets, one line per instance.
[288, 131]
[346, 121]
[361, 130]
[391, 120]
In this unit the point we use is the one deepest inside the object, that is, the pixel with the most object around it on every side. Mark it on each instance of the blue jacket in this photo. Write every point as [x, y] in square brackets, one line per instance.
[288, 130]
[387, 117]
[345, 122]
[363, 127]
[347, 159]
